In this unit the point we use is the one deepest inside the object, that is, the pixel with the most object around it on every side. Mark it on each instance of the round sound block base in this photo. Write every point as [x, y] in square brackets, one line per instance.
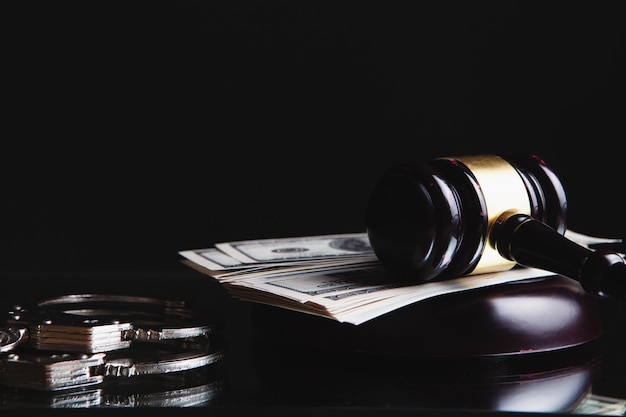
[520, 318]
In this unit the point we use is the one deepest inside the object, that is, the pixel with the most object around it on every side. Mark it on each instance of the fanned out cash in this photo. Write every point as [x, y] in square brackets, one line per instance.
[233, 261]
[335, 276]
[599, 405]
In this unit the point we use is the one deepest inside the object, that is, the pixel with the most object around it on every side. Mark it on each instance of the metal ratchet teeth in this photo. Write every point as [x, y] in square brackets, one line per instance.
[147, 335]
[183, 361]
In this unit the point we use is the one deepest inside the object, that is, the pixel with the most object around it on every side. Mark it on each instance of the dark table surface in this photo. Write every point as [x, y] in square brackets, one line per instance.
[261, 374]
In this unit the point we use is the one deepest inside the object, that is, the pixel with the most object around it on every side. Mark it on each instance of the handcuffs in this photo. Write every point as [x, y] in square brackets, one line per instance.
[192, 388]
[78, 340]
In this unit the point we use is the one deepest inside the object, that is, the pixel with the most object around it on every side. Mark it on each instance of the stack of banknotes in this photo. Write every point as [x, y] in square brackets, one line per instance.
[335, 276]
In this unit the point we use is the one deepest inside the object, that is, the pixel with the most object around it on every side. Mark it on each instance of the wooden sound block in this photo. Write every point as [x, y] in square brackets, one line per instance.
[521, 318]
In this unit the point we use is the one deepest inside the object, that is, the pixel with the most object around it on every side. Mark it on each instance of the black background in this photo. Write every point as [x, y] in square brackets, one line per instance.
[133, 130]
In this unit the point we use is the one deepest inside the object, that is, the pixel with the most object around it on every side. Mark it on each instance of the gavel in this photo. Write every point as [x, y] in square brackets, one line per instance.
[455, 216]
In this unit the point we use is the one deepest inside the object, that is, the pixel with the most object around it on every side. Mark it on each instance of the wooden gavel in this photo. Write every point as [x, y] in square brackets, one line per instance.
[456, 216]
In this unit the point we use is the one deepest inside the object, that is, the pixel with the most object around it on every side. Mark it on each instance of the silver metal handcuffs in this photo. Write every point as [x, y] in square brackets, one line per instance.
[45, 371]
[99, 323]
[78, 340]
[193, 388]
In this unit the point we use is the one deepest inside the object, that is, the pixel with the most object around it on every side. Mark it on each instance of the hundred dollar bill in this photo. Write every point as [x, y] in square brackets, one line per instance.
[267, 252]
[278, 269]
[602, 406]
[336, 276]
[359, 294]
[214, 259]
[298, 248]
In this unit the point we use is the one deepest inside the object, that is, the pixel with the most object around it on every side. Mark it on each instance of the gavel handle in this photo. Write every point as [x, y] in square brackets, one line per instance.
[530, 242]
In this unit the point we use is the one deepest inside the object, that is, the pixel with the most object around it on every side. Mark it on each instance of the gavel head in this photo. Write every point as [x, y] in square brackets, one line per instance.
[428, 220]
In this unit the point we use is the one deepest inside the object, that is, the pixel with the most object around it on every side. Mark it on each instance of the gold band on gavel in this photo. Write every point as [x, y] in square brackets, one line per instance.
[503, 190]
